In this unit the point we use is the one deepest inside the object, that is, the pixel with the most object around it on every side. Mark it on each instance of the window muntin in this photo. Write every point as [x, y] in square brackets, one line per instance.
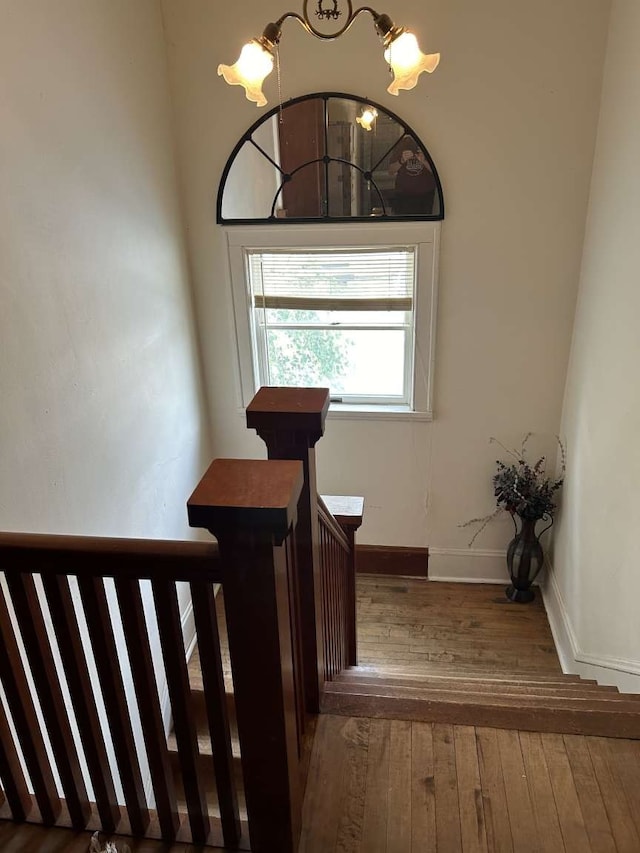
[336, 317]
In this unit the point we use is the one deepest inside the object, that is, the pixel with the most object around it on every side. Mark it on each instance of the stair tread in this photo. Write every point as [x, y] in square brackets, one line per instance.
[614, 702]
[423, 670]
[210, 789]
[385, 674]
[480, 686]
[204, 743]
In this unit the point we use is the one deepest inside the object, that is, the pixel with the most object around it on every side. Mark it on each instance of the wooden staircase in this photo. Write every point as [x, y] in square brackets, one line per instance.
[458, 695]
[565, 704]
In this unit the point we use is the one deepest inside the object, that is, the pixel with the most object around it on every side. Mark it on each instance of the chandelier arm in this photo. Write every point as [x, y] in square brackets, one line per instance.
[303, 23]
[306, 24]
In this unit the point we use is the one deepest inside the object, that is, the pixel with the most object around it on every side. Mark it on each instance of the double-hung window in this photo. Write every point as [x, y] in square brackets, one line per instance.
[344, 308]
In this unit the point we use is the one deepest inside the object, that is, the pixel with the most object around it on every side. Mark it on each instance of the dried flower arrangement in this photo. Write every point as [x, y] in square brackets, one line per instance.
[521, 488]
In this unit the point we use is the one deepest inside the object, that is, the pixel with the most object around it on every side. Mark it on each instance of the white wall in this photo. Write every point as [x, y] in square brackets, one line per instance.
[101, 429]
[592, 597]
[510, 118]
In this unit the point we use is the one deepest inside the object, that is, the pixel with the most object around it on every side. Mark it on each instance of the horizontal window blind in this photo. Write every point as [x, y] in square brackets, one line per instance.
[333, 279]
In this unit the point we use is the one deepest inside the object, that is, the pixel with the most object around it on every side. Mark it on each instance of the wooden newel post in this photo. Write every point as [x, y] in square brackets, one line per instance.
[250, 507]
[290, 421]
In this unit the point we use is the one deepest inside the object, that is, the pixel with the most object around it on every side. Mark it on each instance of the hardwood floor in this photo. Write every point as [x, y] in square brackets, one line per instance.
[24, 838]
[387, 786]
[396, 786]
[422, 626]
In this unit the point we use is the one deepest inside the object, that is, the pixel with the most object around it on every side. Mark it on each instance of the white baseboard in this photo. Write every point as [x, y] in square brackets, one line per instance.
[468, 565]
[188, 624]
[189, 630]
[617, 672]
[189, 634]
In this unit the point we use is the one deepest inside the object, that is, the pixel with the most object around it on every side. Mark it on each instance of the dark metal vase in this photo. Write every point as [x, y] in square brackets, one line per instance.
[525, 558]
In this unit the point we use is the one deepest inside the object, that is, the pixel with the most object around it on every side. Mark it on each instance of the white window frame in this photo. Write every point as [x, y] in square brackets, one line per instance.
[425, 236]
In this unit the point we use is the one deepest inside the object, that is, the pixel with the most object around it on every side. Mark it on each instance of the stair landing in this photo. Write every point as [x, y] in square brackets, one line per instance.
[463, 654]
[429, 627]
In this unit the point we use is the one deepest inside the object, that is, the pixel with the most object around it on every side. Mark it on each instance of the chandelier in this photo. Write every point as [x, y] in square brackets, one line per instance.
[401, 51]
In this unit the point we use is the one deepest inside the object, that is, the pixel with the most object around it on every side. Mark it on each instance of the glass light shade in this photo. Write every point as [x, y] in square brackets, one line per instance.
[254, 64]
[367, 118]
[408, 62]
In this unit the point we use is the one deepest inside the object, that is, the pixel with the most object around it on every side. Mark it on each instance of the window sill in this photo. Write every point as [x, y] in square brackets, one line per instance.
[345, 411]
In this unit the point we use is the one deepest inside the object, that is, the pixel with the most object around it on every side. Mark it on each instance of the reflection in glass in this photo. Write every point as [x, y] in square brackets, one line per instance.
[302, 195]
[252, 181]
[367, 118]
[414, 184]
[351, 194]
[314, 160]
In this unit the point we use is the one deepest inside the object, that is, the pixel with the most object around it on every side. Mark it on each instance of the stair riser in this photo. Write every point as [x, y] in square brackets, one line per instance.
[621, 724]
[479, 695]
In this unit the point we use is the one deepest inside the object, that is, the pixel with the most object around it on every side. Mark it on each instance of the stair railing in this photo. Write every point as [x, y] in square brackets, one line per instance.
[290, 421]
[72, 609]
[72, 617]
[338, 586]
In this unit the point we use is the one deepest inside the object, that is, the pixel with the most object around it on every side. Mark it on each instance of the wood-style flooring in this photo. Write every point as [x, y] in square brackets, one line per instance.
[24, 838]
[423, 626]
[392, 786]
[387, 786]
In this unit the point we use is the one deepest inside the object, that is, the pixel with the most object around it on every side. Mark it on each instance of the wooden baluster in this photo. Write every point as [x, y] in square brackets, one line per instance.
[290, 421]
[13, 781]
[326, 599]
[155, 739]
[335, 559]
[341, 620]
[335, 622]
[338, 552]
[65, 625]
[175, 664]
[96, 610]
[335, 601]
[328, 621]
[296, 635]
[204, 613]
[250, 507]
[47, 685]
[25, 720]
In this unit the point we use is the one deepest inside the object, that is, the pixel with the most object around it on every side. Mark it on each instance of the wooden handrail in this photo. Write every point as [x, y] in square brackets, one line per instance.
[111, 557]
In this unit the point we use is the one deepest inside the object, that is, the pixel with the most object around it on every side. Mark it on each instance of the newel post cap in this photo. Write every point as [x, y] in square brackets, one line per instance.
[289, 410]
[247, 496]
